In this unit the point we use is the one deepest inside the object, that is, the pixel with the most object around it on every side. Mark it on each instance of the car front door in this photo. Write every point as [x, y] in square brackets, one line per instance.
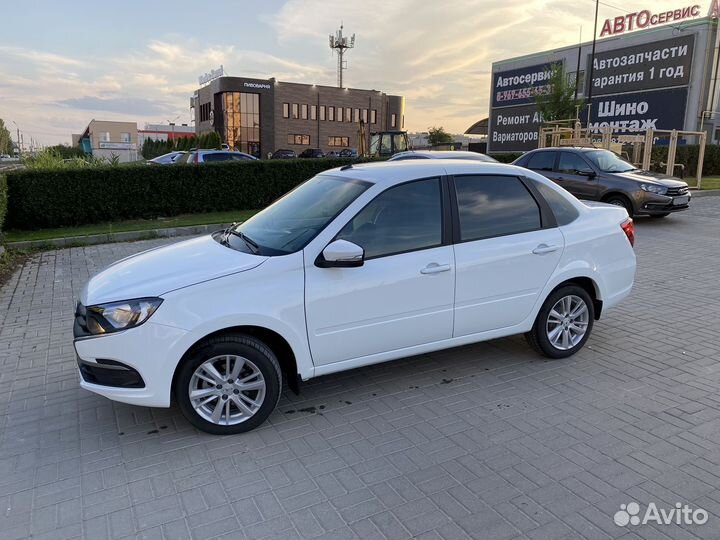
[577, 176]
[507, 247]
[403, 293]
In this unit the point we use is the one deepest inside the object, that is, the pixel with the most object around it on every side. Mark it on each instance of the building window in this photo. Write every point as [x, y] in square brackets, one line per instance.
[339, 114]
[348, 114]
[299, 139]
[393, 120]
[339, 141]
[357, 116]
[331, 114]
[125, 137]
[364, 116]
[373, 116]
[105, 136]
[241, 116]
[322, 112]
[313, 112]
[295, 113]
[303, 111]
[205, 112]
[286, 110]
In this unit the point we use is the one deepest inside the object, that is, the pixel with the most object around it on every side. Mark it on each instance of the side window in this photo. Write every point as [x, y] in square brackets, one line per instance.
[542, 161]
[404, 218]
[216, 157]
[572, 163]
[563, 209]
[491, 206]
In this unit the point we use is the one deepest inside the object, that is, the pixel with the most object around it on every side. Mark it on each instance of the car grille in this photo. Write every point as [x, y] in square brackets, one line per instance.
[675, 191]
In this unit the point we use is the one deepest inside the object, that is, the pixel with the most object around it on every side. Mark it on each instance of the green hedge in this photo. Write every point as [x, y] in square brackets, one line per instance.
[507, 157]
[65, 197]
[687, 154]
[3, 200]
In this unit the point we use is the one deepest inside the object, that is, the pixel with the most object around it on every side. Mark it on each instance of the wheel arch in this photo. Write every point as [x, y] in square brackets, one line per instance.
[590, 286]
[614, 193]
[273, 340]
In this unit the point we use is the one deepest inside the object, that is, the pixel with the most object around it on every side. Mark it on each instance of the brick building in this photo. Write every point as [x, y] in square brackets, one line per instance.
[259, 116]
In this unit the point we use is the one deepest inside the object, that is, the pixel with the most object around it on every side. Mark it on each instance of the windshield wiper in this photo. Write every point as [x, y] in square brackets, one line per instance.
[242, 236]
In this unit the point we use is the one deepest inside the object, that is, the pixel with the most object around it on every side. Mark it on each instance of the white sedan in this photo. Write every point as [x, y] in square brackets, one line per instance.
[359, 265]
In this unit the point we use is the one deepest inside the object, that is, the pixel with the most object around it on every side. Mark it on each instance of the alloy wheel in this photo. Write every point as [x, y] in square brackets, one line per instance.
[227, 390]
[567, 322]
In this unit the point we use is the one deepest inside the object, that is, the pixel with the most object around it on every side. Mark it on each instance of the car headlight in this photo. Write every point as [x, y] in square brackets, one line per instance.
[654, 188]
[114, 316]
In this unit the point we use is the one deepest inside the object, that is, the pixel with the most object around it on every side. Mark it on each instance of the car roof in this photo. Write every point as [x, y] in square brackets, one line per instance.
[441, 154]
[395, 172]
[576, 148]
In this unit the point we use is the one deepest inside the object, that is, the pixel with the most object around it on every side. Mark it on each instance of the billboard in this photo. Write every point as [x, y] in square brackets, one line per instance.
[630, 113]
[518, 86]
[660, 64]
[516, 129]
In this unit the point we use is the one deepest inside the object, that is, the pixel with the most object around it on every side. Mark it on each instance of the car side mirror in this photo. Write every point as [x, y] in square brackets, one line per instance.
[341, 254]
[587, 172]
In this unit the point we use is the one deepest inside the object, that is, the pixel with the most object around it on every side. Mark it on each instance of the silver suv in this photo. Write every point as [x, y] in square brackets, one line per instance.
[211, 156]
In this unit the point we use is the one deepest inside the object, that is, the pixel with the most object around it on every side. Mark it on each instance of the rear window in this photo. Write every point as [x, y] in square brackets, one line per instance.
[563, 209]
[542, 161]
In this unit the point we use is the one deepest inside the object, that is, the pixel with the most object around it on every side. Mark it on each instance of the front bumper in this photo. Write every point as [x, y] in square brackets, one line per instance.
[649, 204]
[134, 366]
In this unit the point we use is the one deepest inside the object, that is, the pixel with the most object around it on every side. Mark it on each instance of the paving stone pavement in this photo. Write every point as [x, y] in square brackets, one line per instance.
[486, 441]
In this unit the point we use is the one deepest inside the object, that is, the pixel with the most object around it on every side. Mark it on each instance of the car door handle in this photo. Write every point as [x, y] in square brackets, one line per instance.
[544, 248]
[435, 268]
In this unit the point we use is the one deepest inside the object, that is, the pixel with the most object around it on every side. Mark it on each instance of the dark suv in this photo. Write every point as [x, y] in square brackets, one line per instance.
[312, 153]
[600, 175]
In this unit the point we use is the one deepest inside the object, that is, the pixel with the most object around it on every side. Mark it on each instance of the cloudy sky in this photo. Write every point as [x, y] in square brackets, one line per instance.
[64, 63]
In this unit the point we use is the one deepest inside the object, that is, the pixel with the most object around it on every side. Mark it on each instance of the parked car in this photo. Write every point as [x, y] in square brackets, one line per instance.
[359, 265]
[283, 153]
[209, 156]
[166, 159]
[601, 175]
[441, 154]
[312, 153]
[348, 153]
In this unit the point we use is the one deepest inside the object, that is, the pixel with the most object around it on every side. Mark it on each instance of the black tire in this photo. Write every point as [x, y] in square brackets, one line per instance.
[621, 200]
[538, 338]
[242, 345]
[658, 216]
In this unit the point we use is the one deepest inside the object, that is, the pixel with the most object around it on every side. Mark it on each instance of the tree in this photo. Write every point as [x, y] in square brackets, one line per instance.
[6, 144]
[556, 101]
[438, 135]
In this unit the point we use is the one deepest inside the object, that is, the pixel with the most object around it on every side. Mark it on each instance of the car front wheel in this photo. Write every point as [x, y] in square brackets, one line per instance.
[564, 323]
[229, 384]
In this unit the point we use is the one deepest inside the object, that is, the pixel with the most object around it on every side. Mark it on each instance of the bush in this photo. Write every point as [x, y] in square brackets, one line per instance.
[507, 157]
[3, 199]
[67, 197]
[687, 154]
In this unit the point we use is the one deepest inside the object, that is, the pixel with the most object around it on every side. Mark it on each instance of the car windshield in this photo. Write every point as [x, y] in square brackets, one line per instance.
[606, 161]
[292, 221]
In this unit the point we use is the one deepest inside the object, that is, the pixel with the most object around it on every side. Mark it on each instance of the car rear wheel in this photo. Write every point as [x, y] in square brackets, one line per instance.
[620, 200]
[229, 384]
[564, 323]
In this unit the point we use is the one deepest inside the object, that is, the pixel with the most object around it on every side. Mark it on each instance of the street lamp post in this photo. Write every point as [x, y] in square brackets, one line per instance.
[592, 63]
[19, 145]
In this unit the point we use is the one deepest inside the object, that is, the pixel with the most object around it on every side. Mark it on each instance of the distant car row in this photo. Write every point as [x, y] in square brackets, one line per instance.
[285, 153]
[208, 156]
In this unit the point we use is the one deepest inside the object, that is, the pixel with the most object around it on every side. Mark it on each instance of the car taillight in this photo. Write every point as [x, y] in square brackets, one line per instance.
[628, 228]
[195, 158]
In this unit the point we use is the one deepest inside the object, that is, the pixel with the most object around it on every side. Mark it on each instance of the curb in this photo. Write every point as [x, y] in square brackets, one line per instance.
[128, 236]
[705, 193]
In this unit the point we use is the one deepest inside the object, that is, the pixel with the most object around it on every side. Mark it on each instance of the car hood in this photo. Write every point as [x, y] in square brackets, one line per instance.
[652, 177]
[160, 270]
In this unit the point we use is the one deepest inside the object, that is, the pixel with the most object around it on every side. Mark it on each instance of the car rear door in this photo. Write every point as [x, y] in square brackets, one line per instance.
[569, 169]
[543, 162]
[403, 294]
[507, 247]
